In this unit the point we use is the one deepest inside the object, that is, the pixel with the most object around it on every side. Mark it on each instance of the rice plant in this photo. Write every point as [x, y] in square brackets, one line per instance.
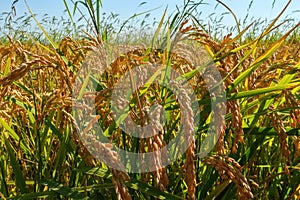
[50, 144]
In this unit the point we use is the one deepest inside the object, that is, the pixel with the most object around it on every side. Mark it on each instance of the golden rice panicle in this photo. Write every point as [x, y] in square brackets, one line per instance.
[217, 113]
[144, 145]
[118, 180]
[293, 103]
[229, 169]
[188, 126]
[75, 51]
[108, 155]
[227, 68]
[297, 146]
[190, 177]
[102, 108]
[9, 53]
[279, 127]
[155, 144]
[82, 149]
[236, 123]
[228, 65]
[17, 73]
[104, 150]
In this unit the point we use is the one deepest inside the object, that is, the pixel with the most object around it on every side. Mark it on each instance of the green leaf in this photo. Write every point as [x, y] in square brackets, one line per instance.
[150, 190]
[19, 178]
[157, 31]
[95, 171]
[218, 190]
[4, 188]
[54, 129]
[252, 93]
[63, 190]
[84, 85]
[11, 132]
[35, 195]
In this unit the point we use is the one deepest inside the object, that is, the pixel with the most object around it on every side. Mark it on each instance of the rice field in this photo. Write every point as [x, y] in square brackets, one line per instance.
[177, 113]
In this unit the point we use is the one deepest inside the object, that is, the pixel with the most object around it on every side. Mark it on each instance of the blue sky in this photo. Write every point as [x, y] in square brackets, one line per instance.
[126, 8]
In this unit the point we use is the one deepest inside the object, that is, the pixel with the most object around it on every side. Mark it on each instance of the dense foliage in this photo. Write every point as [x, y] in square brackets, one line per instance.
[257, 152]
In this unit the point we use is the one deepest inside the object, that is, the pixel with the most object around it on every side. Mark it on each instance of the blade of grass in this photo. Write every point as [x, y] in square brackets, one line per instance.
[84, 85]
[150, 190]
[134, 16]
[11, 132]
[251, 93]
[218, 190]
[19, 177]
[232, 13]
[61, 154]
[4, 188]
[95, 171]
[63, 190]
[157, 31]
[53, 44]
[54, 129]
[36, 195]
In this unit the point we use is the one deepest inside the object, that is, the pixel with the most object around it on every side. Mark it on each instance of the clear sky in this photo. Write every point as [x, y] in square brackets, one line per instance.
[126, 8]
